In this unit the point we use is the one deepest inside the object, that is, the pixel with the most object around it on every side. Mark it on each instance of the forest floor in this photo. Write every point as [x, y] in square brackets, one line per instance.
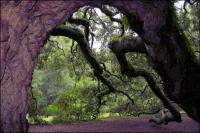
[123, 125]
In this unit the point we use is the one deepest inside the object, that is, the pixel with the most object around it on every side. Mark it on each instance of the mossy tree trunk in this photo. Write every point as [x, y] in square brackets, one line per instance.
[25, 26]
[168, 51]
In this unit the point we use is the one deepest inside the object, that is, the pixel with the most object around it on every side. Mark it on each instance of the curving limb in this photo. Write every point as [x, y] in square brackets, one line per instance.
[130, 71]
[127, 44]
[79, 37]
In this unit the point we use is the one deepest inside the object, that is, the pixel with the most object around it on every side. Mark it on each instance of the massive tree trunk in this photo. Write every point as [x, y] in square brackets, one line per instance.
[168, 50]
[25, 26]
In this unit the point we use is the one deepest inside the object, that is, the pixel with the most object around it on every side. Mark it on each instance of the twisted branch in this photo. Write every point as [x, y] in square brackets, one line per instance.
[129, 71]
[79, 37]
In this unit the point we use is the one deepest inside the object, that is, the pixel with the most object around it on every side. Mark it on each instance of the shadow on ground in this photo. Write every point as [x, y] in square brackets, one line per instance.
[130, 125]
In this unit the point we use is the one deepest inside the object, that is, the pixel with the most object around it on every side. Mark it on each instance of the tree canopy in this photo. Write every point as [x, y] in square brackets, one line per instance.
[95, 64]
[126, 55]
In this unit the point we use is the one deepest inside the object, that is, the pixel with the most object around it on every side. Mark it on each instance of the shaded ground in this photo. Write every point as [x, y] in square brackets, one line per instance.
[134, 125]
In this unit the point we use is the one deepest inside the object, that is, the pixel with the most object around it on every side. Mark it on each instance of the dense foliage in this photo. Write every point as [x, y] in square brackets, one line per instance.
[64, 88]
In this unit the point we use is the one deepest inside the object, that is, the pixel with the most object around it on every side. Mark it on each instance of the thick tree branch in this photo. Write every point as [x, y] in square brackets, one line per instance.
[127, 44]
[76, 35]
[128, 70]
[84, 22]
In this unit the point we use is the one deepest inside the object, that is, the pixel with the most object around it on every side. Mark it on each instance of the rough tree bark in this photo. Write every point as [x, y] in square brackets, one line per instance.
[168, 50]
[25, 26]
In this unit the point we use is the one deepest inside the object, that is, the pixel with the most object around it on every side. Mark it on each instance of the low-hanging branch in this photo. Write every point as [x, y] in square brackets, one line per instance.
[128, 70]
[79, 37]
[127, 44]
[84, 22]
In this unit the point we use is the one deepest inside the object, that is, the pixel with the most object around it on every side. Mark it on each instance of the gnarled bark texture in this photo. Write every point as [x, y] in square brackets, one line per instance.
[25, 26]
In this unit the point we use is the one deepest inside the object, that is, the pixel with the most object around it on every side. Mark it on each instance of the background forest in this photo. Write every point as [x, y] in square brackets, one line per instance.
[64, 88]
